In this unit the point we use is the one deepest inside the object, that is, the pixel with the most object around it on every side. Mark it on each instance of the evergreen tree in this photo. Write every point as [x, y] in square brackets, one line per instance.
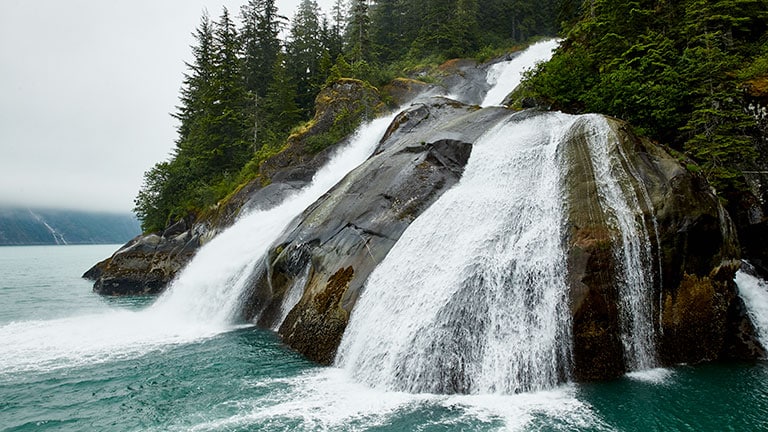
[219, 138]
[465, 28]
[387, 37]
[435, 35]
[260, 39]
[358, 38]
[196, 82]
[213, 130]
[335, 36]
[669, 68]
[304, 49]
[281, 111]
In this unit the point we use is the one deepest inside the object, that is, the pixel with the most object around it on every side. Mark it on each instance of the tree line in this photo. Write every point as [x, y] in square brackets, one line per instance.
[674, 69]
[246, 88]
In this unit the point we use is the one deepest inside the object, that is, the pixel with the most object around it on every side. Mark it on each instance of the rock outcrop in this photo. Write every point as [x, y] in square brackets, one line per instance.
[342, 237]
[146, 264]
[315, 272]
[340, 240]
[695, 253]
[149, 262]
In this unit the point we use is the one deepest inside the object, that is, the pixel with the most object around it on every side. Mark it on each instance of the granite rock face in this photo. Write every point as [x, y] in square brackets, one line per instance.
[342, 237]
[339, 240]
[694, 254]
[149, 262]
[146, 264]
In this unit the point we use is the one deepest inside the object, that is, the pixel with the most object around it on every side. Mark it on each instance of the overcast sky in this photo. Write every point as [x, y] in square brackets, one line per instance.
[86, 92]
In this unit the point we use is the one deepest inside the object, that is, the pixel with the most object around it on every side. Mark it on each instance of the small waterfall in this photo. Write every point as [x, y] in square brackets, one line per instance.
[58, 237]
[506, 76]
[754, 292]
[632, 251]
[211, 286]
[472, 298]
[292, 297]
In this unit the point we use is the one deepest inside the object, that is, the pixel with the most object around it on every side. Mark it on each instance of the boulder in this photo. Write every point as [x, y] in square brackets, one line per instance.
[341, 238]
[694, 254]
[146, 264]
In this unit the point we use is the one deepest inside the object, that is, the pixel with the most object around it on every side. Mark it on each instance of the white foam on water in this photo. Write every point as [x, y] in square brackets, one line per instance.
[329, 399]
[506, 76]
[202, 302]
[652, 376]
[93, 339]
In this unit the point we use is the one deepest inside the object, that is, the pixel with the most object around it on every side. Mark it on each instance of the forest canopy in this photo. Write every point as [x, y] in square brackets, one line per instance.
[247, 87]
[676, 70]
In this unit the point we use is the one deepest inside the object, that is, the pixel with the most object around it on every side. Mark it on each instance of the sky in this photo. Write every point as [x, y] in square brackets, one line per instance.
[86, 92]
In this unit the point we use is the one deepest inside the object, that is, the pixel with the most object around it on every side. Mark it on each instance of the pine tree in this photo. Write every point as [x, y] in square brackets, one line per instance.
[281, 111]
[335, 36]
[196, 82]
[358, 29]
[387, 30]
[465, 28]
[261, 43]
[304, 49]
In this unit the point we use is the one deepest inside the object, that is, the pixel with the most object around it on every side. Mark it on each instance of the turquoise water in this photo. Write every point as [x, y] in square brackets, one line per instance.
[55, 375]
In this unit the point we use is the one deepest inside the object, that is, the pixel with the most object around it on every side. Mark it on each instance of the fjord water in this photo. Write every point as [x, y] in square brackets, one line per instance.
[246, 380]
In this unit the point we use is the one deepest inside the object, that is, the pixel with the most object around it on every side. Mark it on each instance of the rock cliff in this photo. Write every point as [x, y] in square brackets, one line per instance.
[318, 268]
[340, 240]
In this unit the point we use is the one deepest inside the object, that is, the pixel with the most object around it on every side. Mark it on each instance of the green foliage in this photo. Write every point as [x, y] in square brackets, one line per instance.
[246, 89]
[669, 68]
[344, 124]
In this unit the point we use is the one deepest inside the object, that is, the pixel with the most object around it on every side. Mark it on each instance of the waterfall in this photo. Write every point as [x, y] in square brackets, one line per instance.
[633, 258]
[472, 298]
[505, 76]
[292, 297]
[58, 237]
[754, 292]
[211, 287]
[202, 302]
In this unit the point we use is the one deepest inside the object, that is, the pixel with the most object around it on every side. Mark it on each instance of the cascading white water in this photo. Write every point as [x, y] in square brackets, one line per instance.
[472, 298]
[210, 288]
[202, 302]
[292, 297]
[754, 292]
[505, 76]
[632, 251]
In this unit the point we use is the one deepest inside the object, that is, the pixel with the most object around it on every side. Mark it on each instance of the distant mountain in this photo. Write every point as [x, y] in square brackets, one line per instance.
[21, 226]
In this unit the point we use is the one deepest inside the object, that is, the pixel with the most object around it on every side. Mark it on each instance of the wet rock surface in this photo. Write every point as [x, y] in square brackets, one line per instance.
[353, 227]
